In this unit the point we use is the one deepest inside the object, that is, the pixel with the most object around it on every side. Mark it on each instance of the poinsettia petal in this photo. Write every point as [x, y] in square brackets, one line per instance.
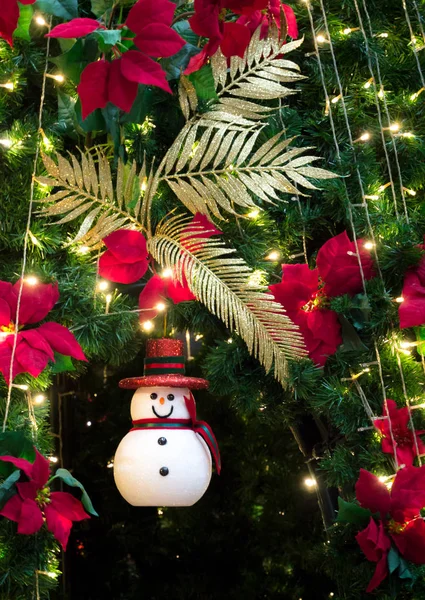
[69, 507]
[410, 479]
[59, 525]
[138, 68]
[291, 21]
[199, 227]
[20, 463]
[112, 268]
[178, 292]
[29, 359]
[61, 340]
[5, 313]
[12, 509]
[246, 6]
[411, 311]
[159, 40]
[31, 518]
[74, 29]
[9, 16]
[147, 12]
[411, 541]
[128, 245]
[93, 87]
[338, 266]
[36, 301]
[153, 293]
[201, 59]
[40, 470]
[205, 21]
[372, 493]
[27, 489]
[121, 91]
[235, 40]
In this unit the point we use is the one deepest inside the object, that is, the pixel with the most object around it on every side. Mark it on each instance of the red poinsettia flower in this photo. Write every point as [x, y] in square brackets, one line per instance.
[270, 16]
[35, 503]
[400, 518]
[338, 265]
[412, 310]
[9, 16]
[209, 21]
[117, 81]
[300, 295]
[159, 288]
[34, 347]
[126, 259]
[404, 438]
[303, 293]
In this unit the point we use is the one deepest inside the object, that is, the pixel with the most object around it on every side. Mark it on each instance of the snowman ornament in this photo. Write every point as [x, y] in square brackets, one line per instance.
[165, 459]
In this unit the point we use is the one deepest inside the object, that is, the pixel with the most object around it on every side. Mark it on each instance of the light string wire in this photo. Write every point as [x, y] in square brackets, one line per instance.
[419, 19]
[350, 137]
[378, 108]
[27, 230]
[364, 204]
[412, 37]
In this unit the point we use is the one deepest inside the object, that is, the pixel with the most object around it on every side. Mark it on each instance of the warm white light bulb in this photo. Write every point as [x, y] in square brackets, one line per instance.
[347, 30]
[31, 280]
[254, 213]
[167, 273]
[40, 20]
[53, 459]
[273, 255]
[6, 142]
[8, 86]
[160, 306]
[321, 39]
[365, 136]
[400, 299]
[394, 127]
[39, 399]
[367, 84]
[310, 482]
[88, 423]
[108, 298]
[383, 35]
[59, 78]
[369, 245]
[147, 325]
[103, 285]
[83, 250]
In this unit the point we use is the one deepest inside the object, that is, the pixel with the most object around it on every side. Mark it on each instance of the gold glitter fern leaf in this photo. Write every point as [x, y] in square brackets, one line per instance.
[86, 186]
[224, 284]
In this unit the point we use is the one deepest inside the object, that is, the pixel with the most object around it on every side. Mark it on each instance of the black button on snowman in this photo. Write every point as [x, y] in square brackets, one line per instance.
[174, 467]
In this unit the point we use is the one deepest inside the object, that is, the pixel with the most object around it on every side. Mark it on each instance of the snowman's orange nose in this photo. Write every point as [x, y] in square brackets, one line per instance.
[161, 400]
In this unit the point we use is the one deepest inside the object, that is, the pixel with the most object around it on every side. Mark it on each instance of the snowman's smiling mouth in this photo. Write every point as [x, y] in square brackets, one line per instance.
[162, 416]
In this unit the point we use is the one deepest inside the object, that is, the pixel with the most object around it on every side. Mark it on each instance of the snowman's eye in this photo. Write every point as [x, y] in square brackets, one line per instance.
[154, 396]
[170, 396]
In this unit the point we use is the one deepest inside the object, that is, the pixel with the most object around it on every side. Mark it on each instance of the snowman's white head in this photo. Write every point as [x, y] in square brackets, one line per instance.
[160, 403]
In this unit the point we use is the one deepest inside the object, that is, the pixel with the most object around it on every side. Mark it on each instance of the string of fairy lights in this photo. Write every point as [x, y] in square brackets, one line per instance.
[321, 42]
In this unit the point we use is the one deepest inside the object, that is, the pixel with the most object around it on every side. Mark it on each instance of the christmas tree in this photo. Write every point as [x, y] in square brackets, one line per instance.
[245, 177]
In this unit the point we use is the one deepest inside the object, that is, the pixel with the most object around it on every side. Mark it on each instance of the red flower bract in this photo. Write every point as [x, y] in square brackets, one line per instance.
[9, 15]
[397, 428]
[412, 310]
[299, 294]
[209, 21]
[34, 347]
[400, 518]
[117, 81]
[126, 259]
[271, 16]
[338, 265]
[34, 501]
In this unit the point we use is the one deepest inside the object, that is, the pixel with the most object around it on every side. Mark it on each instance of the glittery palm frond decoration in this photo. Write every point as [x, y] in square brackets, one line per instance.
[87, 187]
[222, 282]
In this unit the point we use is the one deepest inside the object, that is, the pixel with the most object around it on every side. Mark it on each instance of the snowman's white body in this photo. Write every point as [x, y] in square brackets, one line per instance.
[142, 454]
